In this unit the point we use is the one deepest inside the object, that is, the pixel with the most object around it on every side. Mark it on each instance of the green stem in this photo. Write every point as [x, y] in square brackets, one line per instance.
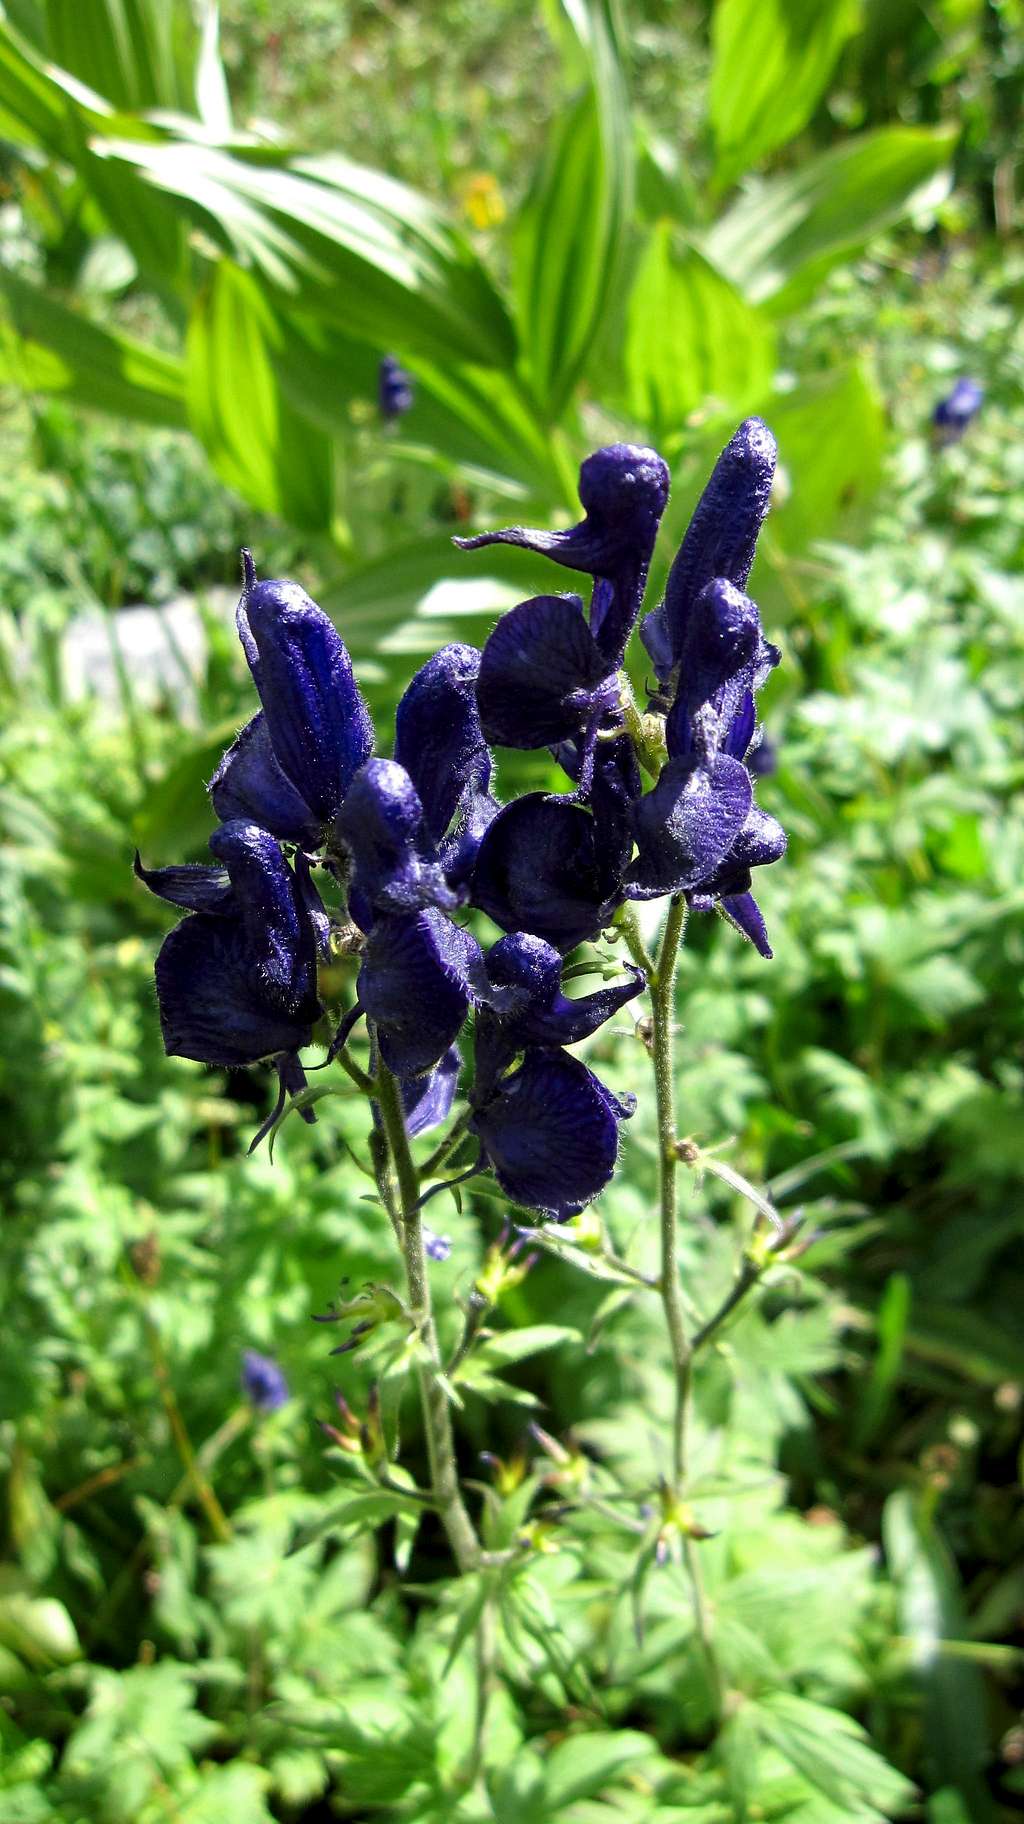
[436, 1411]
[682, 1349]
[663, 1015]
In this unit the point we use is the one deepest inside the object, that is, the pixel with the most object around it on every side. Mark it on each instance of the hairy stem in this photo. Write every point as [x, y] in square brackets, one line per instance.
[663, 1012]
[436, 1411]
[662, 1021]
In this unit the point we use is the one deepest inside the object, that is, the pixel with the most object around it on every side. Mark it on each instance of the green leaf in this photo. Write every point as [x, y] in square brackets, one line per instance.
[831, 436]
[55, 350]
[930, 1612]
[832, 1752]
[361, 250]
[139, 54]
[878, 1391]
[781, 237]
[571, 235]
[515, 1345]
[585, 1765]
[771, 60]
[258, 443]
[691, 340]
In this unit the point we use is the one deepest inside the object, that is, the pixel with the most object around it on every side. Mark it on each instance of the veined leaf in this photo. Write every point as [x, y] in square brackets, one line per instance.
[137, 53]
[832, 1752]
[34, 98]
[362, 250]
[691, 339]
[782, 236]
[258, 443]
[771, 62]
[55, 350]
[572, 231]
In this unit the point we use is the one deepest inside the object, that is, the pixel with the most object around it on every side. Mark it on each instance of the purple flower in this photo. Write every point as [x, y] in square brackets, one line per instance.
[436, 1247]
[518, 992]
[236, 980]
[719, 542]
[957, 410]
[395, 393]
[550, 1131]
[292, 765]
[427, 1100]
[263, 1381]
[623, 490]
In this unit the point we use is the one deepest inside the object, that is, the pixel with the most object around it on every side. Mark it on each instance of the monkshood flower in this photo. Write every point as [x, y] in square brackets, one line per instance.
[291, 766]
[957, 410]
[411, 827]
[394, 388]
[263, 1381]
[720, 540]
[623, 490]
[698, 831]
[549, 1130]
[236, 980]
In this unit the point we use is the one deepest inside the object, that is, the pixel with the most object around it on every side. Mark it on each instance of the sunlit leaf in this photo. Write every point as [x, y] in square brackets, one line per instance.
[771, 60]
[49, 349]
[782, 236]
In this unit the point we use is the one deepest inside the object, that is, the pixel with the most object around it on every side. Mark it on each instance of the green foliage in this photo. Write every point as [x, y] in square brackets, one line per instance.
[264, 1631]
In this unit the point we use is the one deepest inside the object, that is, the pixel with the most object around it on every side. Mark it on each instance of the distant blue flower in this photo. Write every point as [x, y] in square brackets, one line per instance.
[293, 763]
[263, 1381]
[436, 1247]
[236, 980]
[956, 411]
[395, 393]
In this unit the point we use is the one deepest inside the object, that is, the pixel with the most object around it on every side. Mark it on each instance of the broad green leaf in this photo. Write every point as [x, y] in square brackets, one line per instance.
[50, 349]
[879, 1388]
[832, 1752]
[831, 436]
[584, 1765]
[515, 1345]
[34, 98]
[691, 340]
[139, 54]
[258, 443]
[571, 235]
[931, 1612]
[771, 60]
[782, 236]
[359, 249]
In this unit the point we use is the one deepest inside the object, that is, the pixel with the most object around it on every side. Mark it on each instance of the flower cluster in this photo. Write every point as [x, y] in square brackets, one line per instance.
[406, 850]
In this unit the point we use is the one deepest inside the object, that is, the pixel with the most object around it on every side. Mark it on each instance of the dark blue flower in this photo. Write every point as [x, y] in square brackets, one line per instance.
[440, 743]
[956, 411]
[394, 388]
[291, 766]
[550, 1131]
[543, 677]
[720, 539]
[520, 1004]
[427, 1100]
[414, 984]
[543, 867]
[623, 490]
[686, 826]
[395, 867]
[263, 1381]
[236, 981]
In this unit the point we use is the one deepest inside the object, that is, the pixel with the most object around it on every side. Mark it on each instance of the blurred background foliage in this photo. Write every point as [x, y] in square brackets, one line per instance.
[570, 223]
